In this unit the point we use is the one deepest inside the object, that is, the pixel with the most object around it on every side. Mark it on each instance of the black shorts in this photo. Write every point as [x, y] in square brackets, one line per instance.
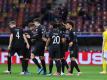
[38, 49]
[18, 50]
[54, 52]
[63, 50]
[74, 52]
[27, 53]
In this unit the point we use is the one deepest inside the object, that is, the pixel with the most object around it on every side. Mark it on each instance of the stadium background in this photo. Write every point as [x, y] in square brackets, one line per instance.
[89, 17]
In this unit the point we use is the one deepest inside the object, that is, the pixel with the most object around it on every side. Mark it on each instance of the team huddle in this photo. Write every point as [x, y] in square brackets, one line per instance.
[57, 40]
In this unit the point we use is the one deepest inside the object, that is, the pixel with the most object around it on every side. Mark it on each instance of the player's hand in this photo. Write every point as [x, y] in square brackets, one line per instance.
[46, 48]
[9, 47]
[44, 39]
[70, 44]
[28, 36]
[28, 46]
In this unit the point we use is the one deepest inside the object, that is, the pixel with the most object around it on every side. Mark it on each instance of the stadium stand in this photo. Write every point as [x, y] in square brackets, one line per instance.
[88, 15]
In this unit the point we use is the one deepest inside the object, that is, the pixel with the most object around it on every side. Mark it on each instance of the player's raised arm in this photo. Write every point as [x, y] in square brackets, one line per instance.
[10, 40]
[25, 39]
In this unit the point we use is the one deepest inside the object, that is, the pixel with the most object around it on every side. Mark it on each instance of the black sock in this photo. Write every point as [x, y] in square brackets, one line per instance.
[43, 65]
[58, 65]
[64, 63]
[23, 64]
[50, 66]
[26, 65]
[9, 63]
[72, 66]
[76, 66]
[36, 62]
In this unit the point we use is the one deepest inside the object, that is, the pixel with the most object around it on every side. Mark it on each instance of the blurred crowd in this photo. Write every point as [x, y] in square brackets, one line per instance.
[87, 15]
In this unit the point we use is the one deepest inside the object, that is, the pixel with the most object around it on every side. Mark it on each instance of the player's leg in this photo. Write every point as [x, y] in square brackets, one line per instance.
[9, 63]
[36, 63]
[63, 61]
[51, 54]
[40, 53]
[50, 66]
[58, 66]
[63, 65]
[74, 63]
[10, 54]
[74, 55]
[42, 58]
[58, 60]
[26, 57]
[22, 59]
[104, 63]
[43, 64]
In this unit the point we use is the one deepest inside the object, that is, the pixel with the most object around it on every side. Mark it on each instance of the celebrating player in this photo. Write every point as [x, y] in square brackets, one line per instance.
[73, 48]
[64, 48]
[16, 44]
[54, 41]
[38, 35]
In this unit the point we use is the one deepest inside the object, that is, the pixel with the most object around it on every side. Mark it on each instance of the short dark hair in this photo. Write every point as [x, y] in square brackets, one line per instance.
[12, 22]
[70, 22]
[56, 25]
[36, 20]
[31, 24]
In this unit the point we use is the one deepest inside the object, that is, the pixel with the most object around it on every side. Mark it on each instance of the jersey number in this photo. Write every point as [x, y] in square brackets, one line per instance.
[17, 35]
[56, 39]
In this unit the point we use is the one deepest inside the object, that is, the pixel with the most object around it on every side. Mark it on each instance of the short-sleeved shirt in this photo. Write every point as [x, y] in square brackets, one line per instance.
[18, 40]
[30, 34]
[71, 37]
[38, 33]
[55, 35]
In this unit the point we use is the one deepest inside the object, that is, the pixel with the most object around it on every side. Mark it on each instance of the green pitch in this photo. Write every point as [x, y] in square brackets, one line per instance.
[88, 73]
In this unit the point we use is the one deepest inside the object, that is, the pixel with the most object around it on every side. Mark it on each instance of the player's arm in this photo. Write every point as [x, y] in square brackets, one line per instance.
[27, 35]
[44, 35]
[10, 40]
[70, 44]
[63, 40]
[47, 43]
[71, 39]
[44, 39]
[26, 41]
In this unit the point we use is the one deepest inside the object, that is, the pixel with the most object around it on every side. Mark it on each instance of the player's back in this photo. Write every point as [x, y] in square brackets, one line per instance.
[18, 39]
[55, 36]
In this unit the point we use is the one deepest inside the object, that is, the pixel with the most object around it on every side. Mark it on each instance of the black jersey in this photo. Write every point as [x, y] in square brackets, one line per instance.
[28, 32]
[38, 33]
[72, 37]
[18, 40]
[55, 35]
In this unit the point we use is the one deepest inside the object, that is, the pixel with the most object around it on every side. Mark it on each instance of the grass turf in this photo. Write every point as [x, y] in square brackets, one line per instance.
[88, 73]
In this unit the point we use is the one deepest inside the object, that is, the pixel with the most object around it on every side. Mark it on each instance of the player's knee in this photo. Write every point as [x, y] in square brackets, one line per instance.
[32, 56]
[72, 58]
[41, 57]
[50, 59]
[8, 55]
[58, 59]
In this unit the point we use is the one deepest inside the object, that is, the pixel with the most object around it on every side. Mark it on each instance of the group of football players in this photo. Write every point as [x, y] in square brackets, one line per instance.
[57, 39]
